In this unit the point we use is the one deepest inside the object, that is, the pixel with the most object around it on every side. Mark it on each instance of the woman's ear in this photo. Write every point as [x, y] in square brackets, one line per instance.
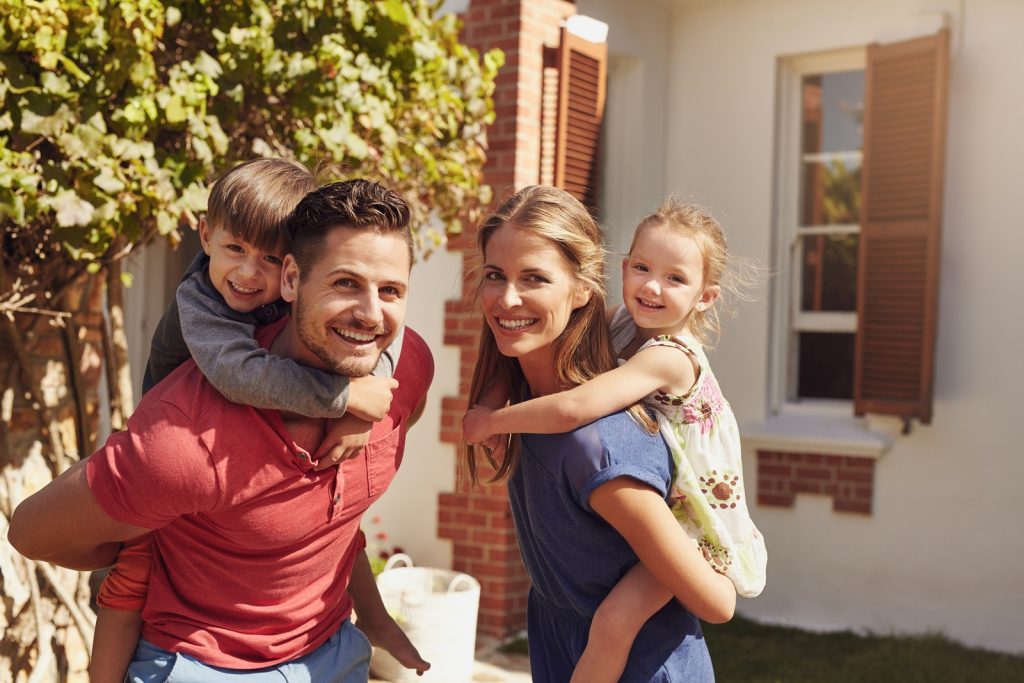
[581, 297]
[708, 297]
[289, 278]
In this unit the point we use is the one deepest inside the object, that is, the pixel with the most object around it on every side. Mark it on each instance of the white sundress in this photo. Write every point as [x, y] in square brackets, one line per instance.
[708, 496]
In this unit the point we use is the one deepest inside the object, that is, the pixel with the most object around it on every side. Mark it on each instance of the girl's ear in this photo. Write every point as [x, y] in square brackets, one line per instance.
[289, 278]
[708, 297]
[581, 296]
[204, 235]
[625, 262]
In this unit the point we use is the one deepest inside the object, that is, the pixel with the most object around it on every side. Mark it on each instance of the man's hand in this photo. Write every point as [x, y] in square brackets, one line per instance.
[345, 438]
[476, 424]
[369, 397]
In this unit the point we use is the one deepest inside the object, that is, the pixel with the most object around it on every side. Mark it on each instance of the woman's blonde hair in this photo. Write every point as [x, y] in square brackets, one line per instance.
[583, 350]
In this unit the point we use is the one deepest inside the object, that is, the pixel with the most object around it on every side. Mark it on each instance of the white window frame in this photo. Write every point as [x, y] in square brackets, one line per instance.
[788, 318]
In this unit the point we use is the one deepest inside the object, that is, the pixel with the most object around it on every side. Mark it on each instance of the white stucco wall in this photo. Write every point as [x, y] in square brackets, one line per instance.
[941, 550]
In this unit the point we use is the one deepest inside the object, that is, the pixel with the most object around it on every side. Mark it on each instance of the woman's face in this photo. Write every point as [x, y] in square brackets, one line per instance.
[528, 293]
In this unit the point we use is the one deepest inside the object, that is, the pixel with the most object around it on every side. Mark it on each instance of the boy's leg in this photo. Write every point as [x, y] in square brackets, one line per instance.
[114, 642]
[633, 600]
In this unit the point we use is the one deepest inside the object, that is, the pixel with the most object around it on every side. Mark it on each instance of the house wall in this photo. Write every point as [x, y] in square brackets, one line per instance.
[939, 550]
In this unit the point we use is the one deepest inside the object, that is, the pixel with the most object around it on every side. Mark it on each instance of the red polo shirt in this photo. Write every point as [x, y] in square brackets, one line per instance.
[253, 549]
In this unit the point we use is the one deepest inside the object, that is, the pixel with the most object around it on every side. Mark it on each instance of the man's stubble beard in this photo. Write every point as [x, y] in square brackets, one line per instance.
[348, 367]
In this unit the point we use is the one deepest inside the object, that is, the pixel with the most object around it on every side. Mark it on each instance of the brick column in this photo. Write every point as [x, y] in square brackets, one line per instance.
[478, 521]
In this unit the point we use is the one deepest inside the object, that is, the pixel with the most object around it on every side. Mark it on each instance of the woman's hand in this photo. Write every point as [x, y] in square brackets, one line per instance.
[476, 424]
[640, 514]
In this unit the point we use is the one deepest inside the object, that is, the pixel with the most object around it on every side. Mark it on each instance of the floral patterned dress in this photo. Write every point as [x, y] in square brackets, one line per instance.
[708, 497]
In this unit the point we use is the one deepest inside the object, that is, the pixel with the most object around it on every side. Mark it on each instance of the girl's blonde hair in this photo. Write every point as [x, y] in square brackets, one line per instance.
[733, 277]
[583, 350]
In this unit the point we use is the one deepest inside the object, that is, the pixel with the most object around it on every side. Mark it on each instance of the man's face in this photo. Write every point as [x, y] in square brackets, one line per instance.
[351, 304]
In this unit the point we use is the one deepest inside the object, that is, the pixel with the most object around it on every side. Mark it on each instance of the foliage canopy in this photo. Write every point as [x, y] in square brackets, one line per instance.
[117, 113]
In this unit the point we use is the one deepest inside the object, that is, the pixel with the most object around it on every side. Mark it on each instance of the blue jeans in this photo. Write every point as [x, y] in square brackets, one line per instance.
[344, 658]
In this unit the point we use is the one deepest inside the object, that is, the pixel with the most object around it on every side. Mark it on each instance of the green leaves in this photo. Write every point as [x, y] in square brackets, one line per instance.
[117, 114]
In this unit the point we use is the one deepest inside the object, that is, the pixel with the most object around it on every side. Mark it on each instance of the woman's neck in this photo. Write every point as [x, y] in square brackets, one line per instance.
[539, 371]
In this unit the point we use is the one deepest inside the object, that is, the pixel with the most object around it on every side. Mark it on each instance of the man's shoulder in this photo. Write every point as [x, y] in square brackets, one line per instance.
[416, 359]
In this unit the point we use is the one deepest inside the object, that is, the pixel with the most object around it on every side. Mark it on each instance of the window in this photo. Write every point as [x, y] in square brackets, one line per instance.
[820, 155]
[859, 179]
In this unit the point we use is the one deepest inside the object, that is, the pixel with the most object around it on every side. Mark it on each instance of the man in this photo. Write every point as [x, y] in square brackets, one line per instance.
[257, 551]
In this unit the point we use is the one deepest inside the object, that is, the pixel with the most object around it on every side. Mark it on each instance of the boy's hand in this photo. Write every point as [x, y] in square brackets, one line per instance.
[476, 424]
[369, 397]
[389, 635]
[346, 436]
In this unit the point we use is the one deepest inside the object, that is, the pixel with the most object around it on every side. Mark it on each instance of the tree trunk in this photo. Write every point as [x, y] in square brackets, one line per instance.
[50, 364]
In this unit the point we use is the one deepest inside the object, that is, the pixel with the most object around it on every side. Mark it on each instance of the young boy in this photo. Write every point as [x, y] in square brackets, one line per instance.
[230, 288]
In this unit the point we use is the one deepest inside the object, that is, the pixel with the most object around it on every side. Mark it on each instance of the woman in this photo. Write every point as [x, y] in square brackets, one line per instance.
[590, 503]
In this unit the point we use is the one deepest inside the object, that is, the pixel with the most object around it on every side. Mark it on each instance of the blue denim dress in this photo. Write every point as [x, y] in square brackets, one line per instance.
[575, 558]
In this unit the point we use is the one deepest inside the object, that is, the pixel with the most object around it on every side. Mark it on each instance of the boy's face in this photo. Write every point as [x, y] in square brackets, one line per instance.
[245, 276]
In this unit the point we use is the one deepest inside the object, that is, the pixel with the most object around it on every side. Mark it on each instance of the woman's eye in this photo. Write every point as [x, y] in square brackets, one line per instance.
[493, 275]
[538, 279]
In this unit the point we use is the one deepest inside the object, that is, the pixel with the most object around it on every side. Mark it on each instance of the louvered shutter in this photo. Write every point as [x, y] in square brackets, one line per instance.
[902, 173]
[582, 68]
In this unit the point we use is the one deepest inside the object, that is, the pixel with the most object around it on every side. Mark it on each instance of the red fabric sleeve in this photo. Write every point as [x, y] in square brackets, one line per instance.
[359, 542]
[127, 583]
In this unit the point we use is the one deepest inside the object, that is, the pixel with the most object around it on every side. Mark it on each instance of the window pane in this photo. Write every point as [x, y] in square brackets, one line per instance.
[833, 111]
[829, 273]
[830, 192]
[826, 365]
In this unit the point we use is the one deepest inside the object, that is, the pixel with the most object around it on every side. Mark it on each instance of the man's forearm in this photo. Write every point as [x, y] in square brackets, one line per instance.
[62, 524]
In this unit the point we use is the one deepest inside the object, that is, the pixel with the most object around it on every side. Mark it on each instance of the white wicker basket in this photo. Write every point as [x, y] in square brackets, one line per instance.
[437, 609]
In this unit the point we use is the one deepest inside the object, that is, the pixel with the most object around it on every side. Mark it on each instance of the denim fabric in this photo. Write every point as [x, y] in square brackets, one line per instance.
[344, 658]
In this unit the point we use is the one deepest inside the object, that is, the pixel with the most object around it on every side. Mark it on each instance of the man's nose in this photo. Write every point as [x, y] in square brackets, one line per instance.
[369, 311]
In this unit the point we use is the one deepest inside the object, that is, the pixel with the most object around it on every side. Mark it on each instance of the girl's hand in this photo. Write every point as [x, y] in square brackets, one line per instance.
[476, 424]
[369, 397]
[345, 438]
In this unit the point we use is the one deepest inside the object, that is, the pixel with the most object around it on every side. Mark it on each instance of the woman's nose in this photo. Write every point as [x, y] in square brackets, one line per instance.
[510, 296]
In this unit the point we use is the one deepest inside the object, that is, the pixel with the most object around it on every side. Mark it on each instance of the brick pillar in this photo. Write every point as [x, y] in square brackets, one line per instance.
[478, 521]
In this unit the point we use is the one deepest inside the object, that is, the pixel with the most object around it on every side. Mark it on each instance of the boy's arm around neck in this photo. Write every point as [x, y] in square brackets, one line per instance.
[222, 344]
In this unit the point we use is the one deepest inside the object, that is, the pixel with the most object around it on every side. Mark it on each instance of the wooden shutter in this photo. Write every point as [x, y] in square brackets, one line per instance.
[582, 68]
[901, 212]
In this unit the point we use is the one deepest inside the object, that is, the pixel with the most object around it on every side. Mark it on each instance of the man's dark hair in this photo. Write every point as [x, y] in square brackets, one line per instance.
[360, 204]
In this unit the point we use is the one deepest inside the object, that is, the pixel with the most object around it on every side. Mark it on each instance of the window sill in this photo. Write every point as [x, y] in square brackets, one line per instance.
[810, 433]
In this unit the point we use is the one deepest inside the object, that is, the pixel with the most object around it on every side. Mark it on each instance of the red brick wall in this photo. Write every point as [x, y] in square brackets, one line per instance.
[848, 480]
[478, 521]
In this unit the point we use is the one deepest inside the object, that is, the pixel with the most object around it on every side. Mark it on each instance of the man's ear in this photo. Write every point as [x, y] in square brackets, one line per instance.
[204, 234]
[581, 296]
[289, 278]
[708, 297]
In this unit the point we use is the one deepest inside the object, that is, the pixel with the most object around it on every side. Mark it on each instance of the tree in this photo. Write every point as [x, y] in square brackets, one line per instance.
[115, 116]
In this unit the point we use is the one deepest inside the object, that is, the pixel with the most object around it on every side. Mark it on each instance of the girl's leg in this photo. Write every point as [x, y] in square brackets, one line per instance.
[114, 642]
[634, 600]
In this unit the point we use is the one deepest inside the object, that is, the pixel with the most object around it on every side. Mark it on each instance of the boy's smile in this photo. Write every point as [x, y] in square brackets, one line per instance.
[247, 277]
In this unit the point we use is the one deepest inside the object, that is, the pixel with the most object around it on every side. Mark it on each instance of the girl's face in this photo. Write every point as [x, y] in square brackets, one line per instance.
[527, 294]
[663, 281]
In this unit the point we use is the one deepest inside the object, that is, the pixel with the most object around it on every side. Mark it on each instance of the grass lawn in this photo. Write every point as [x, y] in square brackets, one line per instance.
[744, 651]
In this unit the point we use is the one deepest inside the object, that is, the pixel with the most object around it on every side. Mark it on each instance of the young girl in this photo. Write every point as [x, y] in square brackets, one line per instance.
[672, 279]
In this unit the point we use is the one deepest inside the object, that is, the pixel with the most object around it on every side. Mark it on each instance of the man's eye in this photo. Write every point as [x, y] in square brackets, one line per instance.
[390, 291]
[343, 282]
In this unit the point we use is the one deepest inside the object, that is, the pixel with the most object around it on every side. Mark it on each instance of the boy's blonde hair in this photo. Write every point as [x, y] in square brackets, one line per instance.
[253, 200]
[697, 223]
